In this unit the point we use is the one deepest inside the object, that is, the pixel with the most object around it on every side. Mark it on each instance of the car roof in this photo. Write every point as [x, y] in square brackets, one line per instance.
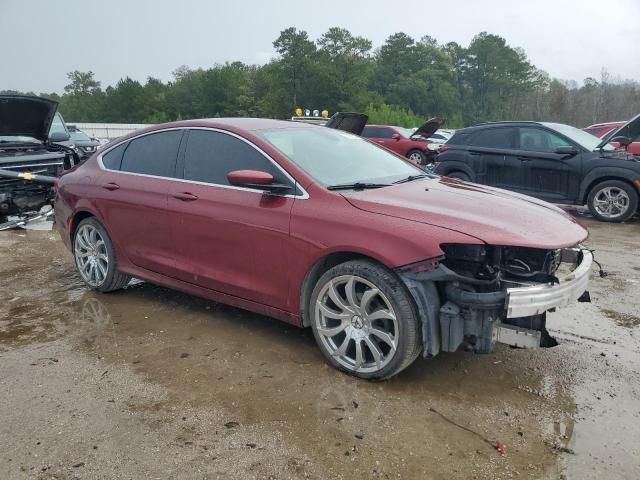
[482, 125]
[247, 124]
[238, 126]
[606, 124]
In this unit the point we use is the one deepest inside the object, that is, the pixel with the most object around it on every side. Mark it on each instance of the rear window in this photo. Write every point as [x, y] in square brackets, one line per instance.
[153, 154]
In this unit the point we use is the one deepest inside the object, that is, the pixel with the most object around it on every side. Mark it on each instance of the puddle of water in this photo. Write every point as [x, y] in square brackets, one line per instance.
[269, 374]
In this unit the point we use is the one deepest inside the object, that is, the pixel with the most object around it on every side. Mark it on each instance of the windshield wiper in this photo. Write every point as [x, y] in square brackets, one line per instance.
[411, 178]
[357, 186]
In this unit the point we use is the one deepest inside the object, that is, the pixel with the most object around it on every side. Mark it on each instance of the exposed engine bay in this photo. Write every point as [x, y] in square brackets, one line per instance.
[475, 295]
[20, 195]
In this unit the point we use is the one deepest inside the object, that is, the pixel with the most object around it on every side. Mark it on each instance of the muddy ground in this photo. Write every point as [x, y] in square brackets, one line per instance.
[151, 383]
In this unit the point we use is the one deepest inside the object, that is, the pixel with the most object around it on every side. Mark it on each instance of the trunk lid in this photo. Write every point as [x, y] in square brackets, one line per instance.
[348, 122]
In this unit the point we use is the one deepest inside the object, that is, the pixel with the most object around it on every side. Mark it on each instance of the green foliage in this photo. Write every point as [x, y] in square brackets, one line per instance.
[403, 82]
[384, 114]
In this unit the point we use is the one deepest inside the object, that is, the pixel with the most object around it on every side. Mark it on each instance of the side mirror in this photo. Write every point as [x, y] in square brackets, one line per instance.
[58, 136]
[623, 141]
[257, 180]
[396, 136]
[567, 150]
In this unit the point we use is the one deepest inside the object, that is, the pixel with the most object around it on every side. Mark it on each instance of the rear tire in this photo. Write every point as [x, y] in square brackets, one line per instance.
[96, 258]
[364, 320]
[417, 156]
[459, 175]
[613, 201]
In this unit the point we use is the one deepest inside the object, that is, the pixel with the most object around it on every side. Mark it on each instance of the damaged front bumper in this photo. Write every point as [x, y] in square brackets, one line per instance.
[537, 299]
[456, 313]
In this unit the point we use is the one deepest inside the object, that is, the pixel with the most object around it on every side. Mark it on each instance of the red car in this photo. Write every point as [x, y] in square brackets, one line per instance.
[404, 141]
[600, 130]
[320, 228]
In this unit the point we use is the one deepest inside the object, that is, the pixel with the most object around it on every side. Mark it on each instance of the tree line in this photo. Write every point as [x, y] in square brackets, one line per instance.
[402, 82]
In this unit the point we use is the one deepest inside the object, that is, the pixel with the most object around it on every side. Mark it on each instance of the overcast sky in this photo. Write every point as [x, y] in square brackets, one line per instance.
[42, 40]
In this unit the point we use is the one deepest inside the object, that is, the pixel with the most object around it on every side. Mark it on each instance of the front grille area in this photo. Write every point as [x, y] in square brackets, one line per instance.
[51, 169]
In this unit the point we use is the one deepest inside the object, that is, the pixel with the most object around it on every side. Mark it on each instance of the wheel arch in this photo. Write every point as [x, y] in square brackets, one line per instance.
[75, 221]
[596, 177]
[447, 167]
[318, 269]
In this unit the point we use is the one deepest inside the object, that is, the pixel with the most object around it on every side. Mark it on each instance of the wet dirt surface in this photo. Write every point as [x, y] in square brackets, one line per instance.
[151, 383]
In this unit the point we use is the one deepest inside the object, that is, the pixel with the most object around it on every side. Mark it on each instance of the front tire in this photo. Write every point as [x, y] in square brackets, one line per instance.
[364, 320]
[612, 201]
[95, 257]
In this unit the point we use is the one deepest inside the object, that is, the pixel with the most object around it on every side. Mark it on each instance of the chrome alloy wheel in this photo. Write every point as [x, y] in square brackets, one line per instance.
[356, 324]
[91, 255]
[611, 202]
[416, 157]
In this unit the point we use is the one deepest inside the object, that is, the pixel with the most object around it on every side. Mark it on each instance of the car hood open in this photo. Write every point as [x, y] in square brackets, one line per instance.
[494, 216]
[26, 116]
[348, 122]
[631, 130]
[428, 128]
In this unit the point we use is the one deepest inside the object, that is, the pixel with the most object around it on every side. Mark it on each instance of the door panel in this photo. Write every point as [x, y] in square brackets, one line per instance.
[492, 153]
[550, 176]
[233, 241]
[136, 217]
[230, 239]
[131, 195]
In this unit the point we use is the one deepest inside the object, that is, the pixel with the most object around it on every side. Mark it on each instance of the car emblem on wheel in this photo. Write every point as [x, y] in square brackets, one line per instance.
[357, 322]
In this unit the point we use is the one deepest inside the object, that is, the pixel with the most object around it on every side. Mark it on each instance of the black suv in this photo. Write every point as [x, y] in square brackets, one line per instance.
[551, 161]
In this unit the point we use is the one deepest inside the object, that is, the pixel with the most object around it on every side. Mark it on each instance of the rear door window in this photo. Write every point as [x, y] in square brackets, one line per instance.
[153, 154]
[501, 137]
[210, 156]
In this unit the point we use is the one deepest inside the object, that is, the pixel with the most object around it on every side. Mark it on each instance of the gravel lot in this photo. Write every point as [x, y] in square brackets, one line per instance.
[151, 383]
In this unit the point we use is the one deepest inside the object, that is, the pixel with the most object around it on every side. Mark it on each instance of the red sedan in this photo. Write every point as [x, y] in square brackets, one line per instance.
[404, 141]
[320, 228]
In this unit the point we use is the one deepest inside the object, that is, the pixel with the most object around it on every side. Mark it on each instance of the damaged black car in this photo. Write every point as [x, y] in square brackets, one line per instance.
[28, 152]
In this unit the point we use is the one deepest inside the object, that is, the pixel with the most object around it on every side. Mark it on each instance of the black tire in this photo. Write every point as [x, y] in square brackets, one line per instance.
[597, 194]
[407, 335]
[113, 280]
[417, 156]
[459, 175]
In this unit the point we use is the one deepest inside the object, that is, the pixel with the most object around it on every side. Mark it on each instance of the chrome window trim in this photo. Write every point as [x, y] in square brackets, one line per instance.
[304, 196]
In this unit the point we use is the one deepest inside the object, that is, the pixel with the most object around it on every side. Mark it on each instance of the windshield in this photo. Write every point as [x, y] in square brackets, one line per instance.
[585, 139]
[405, 132]
[333, 157]
[79, 136]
